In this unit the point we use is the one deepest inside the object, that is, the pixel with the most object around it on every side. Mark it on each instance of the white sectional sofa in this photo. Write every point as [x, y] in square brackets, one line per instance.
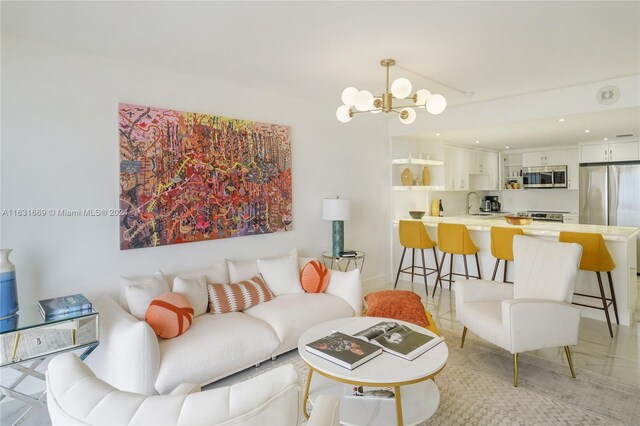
[132, 358]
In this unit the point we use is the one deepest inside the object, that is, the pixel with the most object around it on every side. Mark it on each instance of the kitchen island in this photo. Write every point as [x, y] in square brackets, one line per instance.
[621, 243]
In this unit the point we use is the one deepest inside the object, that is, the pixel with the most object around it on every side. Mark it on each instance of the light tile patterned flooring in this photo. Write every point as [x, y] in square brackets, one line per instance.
[617, 357]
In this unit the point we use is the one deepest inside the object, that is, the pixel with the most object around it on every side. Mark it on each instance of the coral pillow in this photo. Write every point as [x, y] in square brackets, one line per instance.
[225, 298]
[397, 304]
[314, 277]
[169, 314]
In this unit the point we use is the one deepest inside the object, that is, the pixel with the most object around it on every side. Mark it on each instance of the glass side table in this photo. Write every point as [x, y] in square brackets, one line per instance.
[28, 337]
[343, 263]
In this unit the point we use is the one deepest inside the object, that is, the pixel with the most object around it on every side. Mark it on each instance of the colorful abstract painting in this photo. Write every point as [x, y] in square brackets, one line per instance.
[191, 177]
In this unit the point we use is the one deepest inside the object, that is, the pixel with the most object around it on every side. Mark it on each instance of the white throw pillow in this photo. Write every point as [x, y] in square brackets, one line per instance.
[215, 274]
[195, 290]
[126, 281]
[347, 286]
[282, 275]
[140, 295]
[242, 270]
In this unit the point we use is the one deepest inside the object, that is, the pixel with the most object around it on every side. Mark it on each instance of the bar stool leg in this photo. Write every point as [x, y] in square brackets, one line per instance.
[450, 271]
[424, 274]
[495, 270]
[439, 277]
[466, 268]
[404, 250]
[613, 297]
[413, 260]
[604, 303]
[435, 258]
[478, 266]
[504, 278]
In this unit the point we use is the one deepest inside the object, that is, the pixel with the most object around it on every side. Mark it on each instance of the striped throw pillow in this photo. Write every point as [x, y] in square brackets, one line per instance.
[225, 298]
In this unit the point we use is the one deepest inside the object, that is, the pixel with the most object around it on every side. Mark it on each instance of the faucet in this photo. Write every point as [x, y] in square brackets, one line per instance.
[469, 202]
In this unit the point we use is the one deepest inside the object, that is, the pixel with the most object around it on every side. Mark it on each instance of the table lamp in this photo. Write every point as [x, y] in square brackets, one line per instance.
[338, 210]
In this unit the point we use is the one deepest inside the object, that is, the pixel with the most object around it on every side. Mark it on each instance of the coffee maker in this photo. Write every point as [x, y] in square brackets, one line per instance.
[491, 203]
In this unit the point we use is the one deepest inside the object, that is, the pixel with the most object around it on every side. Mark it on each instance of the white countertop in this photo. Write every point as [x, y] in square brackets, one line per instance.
[474, 223]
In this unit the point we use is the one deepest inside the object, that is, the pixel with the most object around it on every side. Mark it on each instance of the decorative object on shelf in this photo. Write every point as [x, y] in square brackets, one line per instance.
[406, 177]
[188, 177]
[338, 210]
[518, 220]
[440, 209]
[435, 207]
[8, 286]
[416, 214]
[426, 176]
[357, 101]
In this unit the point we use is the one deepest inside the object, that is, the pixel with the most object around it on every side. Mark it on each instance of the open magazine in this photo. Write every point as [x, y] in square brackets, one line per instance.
[373, 392]
[399, 339]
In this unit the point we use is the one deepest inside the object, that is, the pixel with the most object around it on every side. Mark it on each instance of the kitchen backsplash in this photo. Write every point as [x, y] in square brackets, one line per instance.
[539, 199]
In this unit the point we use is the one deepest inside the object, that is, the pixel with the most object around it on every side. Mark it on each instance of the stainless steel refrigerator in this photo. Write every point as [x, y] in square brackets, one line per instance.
[610, 195]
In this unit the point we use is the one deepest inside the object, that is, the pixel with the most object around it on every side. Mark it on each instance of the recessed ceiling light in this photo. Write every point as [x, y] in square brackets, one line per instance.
[587, 131]
[437, 134]
[605, 139]
[561, 119]
[506, 147]
[477, 141]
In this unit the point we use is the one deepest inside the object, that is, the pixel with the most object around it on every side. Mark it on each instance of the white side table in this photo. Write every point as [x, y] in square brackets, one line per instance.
[416, 402]
[343, 263]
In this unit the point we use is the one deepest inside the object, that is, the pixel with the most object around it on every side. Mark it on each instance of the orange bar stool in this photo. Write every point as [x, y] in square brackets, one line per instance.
[502, 247]
[413, 235]
[596, 258]
[455, 239]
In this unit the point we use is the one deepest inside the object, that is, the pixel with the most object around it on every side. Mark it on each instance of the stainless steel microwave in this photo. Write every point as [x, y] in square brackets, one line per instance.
[544, 177]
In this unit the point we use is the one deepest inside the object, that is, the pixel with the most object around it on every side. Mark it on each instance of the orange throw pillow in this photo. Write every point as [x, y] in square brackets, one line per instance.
[225, 298]
[397, 304]
[169, 314]
[314, 277]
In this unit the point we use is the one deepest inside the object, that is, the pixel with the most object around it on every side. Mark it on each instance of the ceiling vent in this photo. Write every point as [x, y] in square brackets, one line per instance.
[627, 135]
[608, 95]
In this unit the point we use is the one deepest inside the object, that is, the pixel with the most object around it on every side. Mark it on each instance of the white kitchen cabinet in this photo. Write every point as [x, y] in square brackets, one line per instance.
[456, 168]
[483, 170]
[544, 158]
[573, 169]
[605, 152]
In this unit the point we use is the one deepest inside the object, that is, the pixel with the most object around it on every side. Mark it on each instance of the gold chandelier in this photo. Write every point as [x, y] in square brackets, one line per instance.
[357, 101]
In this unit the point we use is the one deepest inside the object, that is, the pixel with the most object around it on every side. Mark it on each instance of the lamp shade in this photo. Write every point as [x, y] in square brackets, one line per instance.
[336, 209]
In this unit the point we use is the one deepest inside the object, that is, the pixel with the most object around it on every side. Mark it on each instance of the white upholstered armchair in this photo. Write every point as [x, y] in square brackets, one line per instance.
[533, 313]
[77, 397]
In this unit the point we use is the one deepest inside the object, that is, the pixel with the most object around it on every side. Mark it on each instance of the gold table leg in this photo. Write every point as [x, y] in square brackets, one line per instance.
[396, 390]
[306, 393]
[15, 347]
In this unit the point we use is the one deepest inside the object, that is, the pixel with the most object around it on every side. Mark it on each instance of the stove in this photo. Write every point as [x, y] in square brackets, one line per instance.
[547, 216]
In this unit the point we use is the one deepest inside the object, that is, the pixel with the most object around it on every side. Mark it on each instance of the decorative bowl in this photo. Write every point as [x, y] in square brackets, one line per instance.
[416, 214]
[518, 220]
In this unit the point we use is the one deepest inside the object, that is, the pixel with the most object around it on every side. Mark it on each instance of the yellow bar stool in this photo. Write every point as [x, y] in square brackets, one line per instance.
[413, 235]
[502, 247]
[596, 258]
[454, 238]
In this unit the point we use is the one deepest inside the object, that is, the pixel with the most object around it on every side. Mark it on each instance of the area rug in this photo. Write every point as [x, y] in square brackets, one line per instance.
[476, 388]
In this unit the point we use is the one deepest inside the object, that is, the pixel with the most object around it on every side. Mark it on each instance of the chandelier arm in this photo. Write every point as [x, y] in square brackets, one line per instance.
[369, 110]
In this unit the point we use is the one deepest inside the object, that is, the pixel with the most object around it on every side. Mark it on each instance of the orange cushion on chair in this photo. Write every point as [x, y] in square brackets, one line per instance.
[398, 304]
[314, 277]
[169, 315]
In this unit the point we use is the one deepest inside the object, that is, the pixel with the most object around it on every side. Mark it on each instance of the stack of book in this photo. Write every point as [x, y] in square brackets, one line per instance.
[60, 307]
[344, 350]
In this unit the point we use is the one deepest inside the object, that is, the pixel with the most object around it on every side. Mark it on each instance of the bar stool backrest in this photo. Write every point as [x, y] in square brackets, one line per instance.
[595, 256]
[544, 269]
[454, 238]
[414, 235]
[502, 241]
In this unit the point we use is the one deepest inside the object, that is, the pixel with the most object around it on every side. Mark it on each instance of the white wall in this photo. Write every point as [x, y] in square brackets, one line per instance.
[59, 150]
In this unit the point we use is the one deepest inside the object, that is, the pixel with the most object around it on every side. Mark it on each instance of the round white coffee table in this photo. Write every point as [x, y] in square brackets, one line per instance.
[419, 398]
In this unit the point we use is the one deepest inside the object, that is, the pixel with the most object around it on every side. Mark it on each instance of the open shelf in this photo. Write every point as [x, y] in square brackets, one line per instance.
[417, 161]
[419, 188]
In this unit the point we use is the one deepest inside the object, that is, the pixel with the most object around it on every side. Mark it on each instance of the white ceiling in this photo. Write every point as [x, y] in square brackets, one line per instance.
[314, 49]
